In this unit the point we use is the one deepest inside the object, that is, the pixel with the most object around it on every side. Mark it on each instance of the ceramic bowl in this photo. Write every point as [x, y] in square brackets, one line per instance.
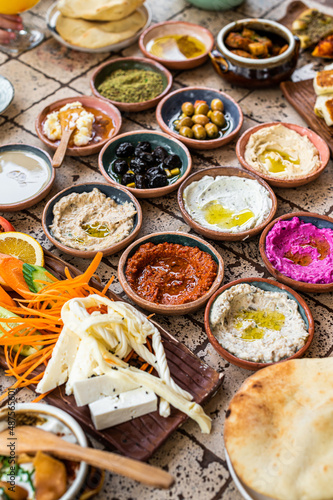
[87, 102]
[40, 195]
[6, 93]
[267, 285]
[177, 28]
[316, 140]
[51, 20]
[219, 235]
[127, 63]
[321, 221]
[169, 109]
[170, 237]
[51, 411]
[119, 194]
[255, 73]
[108, 154]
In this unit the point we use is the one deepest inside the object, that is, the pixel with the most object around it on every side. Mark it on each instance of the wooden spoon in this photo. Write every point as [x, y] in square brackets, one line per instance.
[31, 439]
[68, 120]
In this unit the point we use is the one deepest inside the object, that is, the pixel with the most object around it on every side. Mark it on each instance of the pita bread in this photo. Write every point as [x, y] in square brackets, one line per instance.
[98, 10]
[96, 34]
[279, 430]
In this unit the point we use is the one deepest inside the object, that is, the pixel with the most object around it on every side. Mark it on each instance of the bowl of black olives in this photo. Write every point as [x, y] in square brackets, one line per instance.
[200, 117]
[147, 163]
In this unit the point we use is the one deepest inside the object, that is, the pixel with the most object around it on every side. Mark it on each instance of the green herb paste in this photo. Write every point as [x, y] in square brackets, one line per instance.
[132, 85]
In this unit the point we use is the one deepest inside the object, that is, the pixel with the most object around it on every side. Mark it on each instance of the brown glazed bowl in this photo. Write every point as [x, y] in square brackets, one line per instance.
[267, 285]
[219, 235]
[317, 141]
[181, 239]
[127, 63]
[86, 101]
[321, 221]
[255, 73]
[177, 28]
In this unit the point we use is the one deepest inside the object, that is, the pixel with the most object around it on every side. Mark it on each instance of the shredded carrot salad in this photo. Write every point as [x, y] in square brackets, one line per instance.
[39, 325]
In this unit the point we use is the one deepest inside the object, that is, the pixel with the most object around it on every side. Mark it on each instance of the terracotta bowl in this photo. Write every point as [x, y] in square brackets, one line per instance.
[108, 154]
[126, 63]
[87, 101]
[119, 194]
[267, 285]
[170, 237]
[40, 195]
[169, 108]
[219, 235]
[321, 221]
[177, 28]
[316, 140]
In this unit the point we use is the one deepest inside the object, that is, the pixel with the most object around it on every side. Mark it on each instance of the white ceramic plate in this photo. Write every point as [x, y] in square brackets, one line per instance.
[6, 93]
[51, 20]
[246, 492]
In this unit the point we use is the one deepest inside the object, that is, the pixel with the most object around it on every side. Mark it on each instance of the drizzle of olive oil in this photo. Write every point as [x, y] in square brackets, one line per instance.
[176, 47]
[96, 230]
[272, 320]
[275, 160]
[215, 213]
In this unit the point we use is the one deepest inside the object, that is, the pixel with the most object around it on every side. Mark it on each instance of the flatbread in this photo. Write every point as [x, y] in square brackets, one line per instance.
[279, 430]
[98, 10]
[97, 34]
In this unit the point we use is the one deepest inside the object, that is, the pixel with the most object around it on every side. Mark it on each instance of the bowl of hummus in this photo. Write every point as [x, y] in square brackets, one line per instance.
[89, 218]
[255, 322]
[284, 154]
[297, 249]
[226, 203]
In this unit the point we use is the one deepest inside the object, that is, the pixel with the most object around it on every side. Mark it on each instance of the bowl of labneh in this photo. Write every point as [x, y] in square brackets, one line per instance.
[177, 44]
[284, 154]
[64, 478]
[226, 203]
[170, 273]
[147, 163]
[255, 322]
[297, 249]
[97, 121]
[200, 117]
[131, 83]
[88, 218]
[26, 176]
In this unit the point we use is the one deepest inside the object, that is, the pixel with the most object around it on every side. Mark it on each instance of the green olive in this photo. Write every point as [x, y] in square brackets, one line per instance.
[216, 105]
[201, 109]
[201, 119]
[186, 132]
[217, 117]
[188, 108]
[199, 132]
[185, 122]
[209, 114]
[212, 130]
[176, 124]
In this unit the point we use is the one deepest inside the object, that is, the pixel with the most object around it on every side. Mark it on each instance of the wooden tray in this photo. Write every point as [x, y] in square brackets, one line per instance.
[302, 97]
[294, 9]
[141, 437]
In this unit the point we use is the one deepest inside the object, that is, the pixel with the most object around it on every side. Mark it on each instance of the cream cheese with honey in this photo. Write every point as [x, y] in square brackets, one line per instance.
[227, 204]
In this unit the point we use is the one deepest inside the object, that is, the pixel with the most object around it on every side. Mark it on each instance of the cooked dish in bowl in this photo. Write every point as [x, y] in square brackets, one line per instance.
[255, 44]
[178, 47]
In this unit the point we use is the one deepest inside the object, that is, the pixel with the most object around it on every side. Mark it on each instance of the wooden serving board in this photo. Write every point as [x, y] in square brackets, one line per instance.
[294, 9]
[302, 97]
[141, 437]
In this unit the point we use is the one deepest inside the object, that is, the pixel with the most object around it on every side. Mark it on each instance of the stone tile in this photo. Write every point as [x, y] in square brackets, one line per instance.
[41, 8]
[13, 133]
[82, 84]
[163, 11]
[23, 77]
[257, 8]
[3, 57]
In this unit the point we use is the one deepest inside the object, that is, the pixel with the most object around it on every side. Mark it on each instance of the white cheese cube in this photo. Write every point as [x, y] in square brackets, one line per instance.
[91, 389]
[111, 411]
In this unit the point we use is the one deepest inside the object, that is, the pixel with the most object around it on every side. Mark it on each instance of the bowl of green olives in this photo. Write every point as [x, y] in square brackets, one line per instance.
[200, 117]
[147, 163]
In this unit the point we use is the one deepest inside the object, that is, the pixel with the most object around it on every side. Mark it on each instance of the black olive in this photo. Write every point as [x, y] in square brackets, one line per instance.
[127, 179]
[138, 166]
[120, 166]
[148, 158]
[142, 147]
[125, 149]
[140, 181]
[159, 170]
[158, 180]
[172, 161]
[160, 154]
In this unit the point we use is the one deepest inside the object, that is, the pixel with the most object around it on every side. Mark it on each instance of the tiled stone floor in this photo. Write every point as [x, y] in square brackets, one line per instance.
[49, 72]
